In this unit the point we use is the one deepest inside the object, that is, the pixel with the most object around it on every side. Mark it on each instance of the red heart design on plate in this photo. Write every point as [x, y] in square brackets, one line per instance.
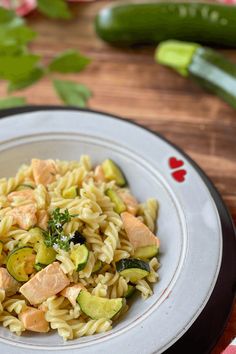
[179, 175]
[175, 163]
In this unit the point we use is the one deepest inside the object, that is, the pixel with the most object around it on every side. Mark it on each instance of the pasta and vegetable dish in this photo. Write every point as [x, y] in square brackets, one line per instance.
[75, 245]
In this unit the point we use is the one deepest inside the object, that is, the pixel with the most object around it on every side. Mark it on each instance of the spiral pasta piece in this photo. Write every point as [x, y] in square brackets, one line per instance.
[149, 212]
[91, 327]
[119, 288]
[100, 290]
[14, 305]
[2, 297]
[144, 288]
[110, 244]
[41, 196]
[87, 271]
[58, 314]
[154, 265]
[66, 263]
[10, 184]
[12, 322]
[5, 225]
[71, 178]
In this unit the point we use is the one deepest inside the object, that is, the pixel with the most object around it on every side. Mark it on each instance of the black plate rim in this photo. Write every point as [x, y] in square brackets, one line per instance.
[202, 336]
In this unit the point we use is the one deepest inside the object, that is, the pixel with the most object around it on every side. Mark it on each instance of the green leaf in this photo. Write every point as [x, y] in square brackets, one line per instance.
[70, 61]
[16, 68]
[6, 16]
[54, 8]
[13, 32]
[12, 49]
[72, 93]
[18, 36]
[30, 79]
[10, 102]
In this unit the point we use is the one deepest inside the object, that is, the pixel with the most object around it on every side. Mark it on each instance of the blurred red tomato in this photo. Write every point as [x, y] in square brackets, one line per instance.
[22, 7]
[229, 2]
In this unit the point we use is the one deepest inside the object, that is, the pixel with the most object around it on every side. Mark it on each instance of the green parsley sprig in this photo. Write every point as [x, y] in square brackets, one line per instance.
[54, 236]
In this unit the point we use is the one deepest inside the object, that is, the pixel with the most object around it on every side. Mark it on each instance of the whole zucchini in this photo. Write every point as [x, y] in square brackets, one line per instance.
[206, 66]
[140, 23]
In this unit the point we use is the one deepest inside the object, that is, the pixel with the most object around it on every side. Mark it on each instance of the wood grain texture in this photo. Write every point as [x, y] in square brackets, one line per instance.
[128, 83]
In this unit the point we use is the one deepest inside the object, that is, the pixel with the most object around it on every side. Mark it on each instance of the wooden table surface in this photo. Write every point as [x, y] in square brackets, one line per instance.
[128, 83]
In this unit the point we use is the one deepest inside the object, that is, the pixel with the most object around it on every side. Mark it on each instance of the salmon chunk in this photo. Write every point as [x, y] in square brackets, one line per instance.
[72, 292]
[26, 195]
[34, 320]
[25, 216]
[138, 234]
[44, 171]
[129, 200]
[42, 217]
[99, 174]
[48, 282]
[8, 283]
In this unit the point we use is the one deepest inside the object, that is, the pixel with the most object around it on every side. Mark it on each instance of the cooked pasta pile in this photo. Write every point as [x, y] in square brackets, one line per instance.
[80, 227]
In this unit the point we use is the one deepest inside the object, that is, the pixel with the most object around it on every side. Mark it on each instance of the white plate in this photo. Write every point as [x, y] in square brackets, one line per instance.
[189, 227]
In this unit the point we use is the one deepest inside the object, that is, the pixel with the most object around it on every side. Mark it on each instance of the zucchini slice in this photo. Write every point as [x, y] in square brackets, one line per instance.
[113, 173]
[39, 266]
[133, 269]
[98, 307]
[79, 255]
[146, 252]
[45, 255]
[20, 263]
[97, 266]
[119, 205]
[36, 237]
[70, 193]
[130, 291]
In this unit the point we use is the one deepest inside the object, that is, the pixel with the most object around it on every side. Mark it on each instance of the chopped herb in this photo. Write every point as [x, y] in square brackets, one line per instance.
[54, 237]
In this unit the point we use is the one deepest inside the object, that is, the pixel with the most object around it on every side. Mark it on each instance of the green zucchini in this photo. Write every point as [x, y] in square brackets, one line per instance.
[45, 255]
[133, 269]
[113, 173]
[97, 266]
[20, 263]
[151, 22]
[119, 205]
[70, 193]
[97, 307]
[36, 237]
[39, 266]
[79, 255]
[130, 291]
[205, 66]
[146, 252]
